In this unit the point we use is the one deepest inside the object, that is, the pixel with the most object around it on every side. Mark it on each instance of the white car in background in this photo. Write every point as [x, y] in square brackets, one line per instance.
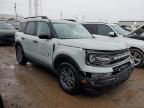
[114, 32]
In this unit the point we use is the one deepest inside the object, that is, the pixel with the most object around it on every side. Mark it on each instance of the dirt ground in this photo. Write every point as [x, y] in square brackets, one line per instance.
[33, 87]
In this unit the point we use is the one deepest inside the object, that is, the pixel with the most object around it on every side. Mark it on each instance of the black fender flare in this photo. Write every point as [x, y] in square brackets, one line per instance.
[63, 57]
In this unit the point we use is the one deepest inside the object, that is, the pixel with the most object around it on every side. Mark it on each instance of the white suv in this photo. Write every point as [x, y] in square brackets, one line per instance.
[70, 50]
[113, 32]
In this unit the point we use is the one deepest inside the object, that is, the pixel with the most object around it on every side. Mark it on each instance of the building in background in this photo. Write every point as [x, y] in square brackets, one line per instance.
[10, 17]
[18, 8]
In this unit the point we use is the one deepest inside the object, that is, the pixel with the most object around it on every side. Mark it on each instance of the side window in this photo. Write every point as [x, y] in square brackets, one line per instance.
[22, 27]
[92, 28]
[43, 28]
[31, 28]
[104, 30]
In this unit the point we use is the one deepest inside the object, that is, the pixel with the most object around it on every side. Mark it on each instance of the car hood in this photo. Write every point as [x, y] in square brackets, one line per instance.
[93, 43]
[135, 30]
[7, 31]
[132, 42]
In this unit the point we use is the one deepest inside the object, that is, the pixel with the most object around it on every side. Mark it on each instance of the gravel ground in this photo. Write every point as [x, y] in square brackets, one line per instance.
[33, 87]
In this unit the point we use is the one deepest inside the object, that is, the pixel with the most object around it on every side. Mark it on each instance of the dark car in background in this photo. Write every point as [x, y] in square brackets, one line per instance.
[137, 33]
[7, 33]
[127, 28]
[15, 24]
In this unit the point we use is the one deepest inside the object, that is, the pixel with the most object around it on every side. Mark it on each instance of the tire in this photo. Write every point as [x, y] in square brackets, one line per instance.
[138, 57]
[1, 102]
[22, 60]
[68, 78]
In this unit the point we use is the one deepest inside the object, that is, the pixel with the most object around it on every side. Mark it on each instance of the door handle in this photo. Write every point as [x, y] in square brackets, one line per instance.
[35, 41]
[22, 38]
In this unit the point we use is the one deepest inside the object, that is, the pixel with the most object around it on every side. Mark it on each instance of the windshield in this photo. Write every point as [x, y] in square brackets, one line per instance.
[4, 25]
[71, 31]
[120, 30]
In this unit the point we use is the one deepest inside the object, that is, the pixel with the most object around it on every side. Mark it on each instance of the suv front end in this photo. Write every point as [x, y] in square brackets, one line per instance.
[108, 68]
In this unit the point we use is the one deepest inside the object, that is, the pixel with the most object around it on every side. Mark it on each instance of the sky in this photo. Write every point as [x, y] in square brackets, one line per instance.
[91, 10]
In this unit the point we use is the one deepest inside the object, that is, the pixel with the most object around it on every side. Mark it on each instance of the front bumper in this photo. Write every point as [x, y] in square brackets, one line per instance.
[7, 39]
[113, 80]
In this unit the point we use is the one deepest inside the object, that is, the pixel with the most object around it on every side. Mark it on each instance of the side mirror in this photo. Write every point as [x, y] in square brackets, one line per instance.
[44, 36]
[112, 34]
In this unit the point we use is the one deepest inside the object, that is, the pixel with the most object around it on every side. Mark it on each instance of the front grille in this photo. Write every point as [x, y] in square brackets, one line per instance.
[114, 56]
[9, 35]
[120, 57]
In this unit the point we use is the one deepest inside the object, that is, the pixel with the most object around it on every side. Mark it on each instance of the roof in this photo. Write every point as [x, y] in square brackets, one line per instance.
[94, 23]
[50, 20]
[63, 21]
[131, 21]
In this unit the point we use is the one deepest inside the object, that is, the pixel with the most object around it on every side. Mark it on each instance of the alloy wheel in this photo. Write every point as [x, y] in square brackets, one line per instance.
[67, 78]
[136, 57]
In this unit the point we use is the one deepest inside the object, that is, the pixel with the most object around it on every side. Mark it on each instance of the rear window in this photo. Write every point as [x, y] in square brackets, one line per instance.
[31, 28]
[22, 27]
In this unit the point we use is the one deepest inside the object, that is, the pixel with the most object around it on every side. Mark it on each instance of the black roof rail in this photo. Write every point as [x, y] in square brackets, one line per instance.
[70, 20]
[34, 17]
[94, 22]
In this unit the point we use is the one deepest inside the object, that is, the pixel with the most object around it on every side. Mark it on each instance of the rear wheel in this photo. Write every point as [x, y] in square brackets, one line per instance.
[68, 78]
[20, 55]
[138, 57]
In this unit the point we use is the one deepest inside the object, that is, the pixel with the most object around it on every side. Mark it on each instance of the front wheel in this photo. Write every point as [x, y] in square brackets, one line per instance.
[68, 78]
[138, 57]
[20, 55]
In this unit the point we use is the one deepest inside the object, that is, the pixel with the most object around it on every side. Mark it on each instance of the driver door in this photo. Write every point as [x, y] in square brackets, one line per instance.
[45, 48]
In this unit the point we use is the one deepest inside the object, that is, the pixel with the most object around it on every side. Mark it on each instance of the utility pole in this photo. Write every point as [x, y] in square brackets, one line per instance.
[41, 7]
[15, 7]
[83, 18]
[36, 7]
[61, 14]
[30, 8]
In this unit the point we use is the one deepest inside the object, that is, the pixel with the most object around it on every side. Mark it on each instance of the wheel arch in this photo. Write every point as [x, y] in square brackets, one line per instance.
[137, 48]
[65, 58]
[18, 43]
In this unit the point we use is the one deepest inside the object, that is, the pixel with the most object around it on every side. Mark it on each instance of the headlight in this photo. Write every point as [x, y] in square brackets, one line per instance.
[102, 58]
[97, 59]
